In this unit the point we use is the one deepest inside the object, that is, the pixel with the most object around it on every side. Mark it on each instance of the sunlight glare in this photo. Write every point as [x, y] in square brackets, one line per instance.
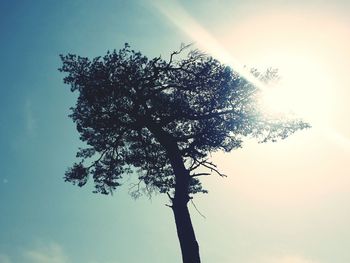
[304, 88]
[308, 79]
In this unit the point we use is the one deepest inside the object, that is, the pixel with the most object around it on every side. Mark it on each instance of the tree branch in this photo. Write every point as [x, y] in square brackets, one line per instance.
[209, 165]
[195, 207]
[182, 48]
[199, 174]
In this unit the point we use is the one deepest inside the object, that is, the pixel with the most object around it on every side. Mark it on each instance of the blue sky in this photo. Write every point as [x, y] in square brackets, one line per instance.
[38, 140]
[285, 203]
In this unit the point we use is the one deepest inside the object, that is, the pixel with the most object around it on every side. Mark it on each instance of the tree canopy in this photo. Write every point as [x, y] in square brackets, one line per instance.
[136, 113]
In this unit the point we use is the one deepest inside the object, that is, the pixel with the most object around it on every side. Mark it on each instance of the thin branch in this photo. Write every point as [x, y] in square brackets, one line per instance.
[170, 197]
[209, 165]
[99, 159]
[182, 48]
[170, 206]
[135, 193]
[195, 207]
[199, 174]
[193, 165]
[213, 168]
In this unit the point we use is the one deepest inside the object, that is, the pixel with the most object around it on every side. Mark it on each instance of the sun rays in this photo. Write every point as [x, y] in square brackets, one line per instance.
[306, 87]
[175, 13]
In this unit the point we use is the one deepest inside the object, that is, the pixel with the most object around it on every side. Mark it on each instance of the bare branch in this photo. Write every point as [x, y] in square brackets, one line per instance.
[199, 174]
[137, 192]
[182, 48]
[209, 165]
[170, 197]
[193, 165]
[195, 207]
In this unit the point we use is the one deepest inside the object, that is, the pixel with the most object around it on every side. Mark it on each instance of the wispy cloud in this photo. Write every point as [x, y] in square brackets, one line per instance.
[51, 253]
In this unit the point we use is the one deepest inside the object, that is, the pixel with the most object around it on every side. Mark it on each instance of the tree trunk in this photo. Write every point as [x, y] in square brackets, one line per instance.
[185, 233]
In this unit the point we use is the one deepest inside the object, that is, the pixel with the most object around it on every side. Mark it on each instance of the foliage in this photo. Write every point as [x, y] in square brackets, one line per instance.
[196, 102]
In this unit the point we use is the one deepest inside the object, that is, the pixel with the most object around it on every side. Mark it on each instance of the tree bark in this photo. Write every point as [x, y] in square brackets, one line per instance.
[188, 243]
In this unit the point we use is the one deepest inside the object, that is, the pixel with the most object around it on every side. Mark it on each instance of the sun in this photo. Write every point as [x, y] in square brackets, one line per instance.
[306, 47]
[304, 87]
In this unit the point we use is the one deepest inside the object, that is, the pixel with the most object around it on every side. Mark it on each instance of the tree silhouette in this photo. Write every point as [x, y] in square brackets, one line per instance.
[160, 119]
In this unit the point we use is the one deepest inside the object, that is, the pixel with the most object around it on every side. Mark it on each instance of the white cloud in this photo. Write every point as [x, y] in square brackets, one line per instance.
[52, 253]
[4, 259]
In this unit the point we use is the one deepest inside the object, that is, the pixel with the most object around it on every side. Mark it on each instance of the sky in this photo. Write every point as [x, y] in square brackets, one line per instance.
[285, 202]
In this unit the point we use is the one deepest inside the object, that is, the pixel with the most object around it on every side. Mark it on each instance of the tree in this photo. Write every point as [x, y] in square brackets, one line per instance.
[161, 119]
